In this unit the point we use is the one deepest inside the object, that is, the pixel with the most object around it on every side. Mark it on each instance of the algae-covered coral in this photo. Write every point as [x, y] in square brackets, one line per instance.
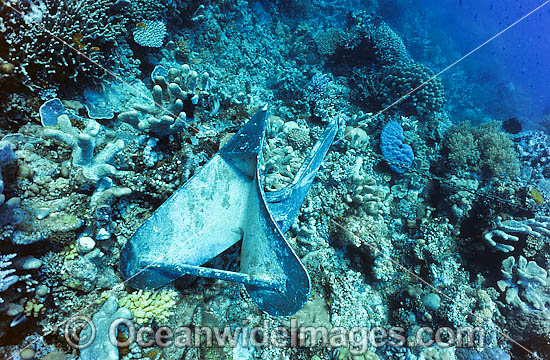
[416, 220]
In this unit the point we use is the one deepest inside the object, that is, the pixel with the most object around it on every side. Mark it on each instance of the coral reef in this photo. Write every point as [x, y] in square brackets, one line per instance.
[7, 278]
[101, 346]
[395, 230]
[33, 39]
[147, 306]
[150, 33]
[176, 94]
[410, 87]
[94, 166]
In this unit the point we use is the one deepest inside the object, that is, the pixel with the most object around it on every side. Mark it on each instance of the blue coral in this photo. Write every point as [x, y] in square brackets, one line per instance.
[399, 155]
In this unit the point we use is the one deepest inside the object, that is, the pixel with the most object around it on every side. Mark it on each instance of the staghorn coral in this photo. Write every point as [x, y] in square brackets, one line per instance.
[92, 27]
[7, 278]
[327, 41]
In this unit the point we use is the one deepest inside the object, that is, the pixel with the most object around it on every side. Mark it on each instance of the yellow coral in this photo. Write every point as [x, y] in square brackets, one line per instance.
[69, 252]
[150, 304]
[33, 308]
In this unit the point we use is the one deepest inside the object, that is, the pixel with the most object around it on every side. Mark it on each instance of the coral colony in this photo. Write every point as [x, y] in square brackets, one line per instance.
[426, 219]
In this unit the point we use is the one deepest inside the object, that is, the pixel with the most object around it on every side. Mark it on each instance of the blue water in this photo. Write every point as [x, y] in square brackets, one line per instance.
[522, 50]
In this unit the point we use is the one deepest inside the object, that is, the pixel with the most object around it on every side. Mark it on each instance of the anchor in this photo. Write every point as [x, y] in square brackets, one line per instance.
[218, 206]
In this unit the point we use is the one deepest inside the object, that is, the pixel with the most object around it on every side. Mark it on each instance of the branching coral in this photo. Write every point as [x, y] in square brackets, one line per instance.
[83, 144]
[175, 95]
[7, 278]
[505, 231]
[148, 305]
[323, 96]
[370, 36]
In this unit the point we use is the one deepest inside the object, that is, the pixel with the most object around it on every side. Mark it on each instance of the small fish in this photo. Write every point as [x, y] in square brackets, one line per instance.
[141, 25]
[77, 40]
[536, 196]
[95, 48]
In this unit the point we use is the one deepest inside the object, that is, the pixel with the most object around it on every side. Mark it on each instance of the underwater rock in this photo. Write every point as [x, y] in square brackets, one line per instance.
[99, 346]
[6, 156]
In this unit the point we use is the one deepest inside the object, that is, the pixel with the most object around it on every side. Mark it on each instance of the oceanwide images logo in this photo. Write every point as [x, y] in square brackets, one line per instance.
[357, 339]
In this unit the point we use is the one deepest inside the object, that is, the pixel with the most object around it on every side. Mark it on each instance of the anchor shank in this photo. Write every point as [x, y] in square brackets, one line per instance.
[285, 204]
